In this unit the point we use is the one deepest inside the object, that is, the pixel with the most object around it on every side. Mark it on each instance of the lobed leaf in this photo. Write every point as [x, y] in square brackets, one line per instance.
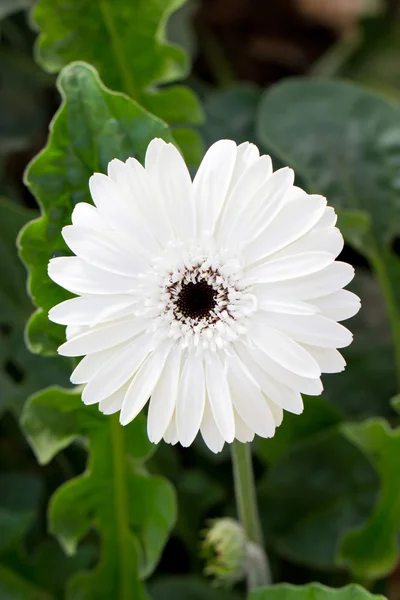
[93, 126]
[132, 510]
[126, 43]
[372, 550]
[312, 591]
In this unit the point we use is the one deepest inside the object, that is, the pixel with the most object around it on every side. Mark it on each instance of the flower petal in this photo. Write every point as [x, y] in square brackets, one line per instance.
[113, 403]
[283, 349]
[84, 310]
[120, 368]
[287, 267]
[164, 397]
[191, 399]
[78, 277]
[105, 250]
[210, 432]
[102, 337]
[248, 400]
[278, 393]
[293, 221]
[329, 359]
[315, 330]
[144, 382]
[309, 287]
[340, 305]
[219, 397]
[212, 181]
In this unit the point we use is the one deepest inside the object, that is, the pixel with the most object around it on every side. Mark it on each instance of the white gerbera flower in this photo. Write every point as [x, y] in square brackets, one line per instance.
[219, 298]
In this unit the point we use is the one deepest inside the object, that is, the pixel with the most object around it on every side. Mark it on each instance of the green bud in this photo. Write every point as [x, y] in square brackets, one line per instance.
[225, 552]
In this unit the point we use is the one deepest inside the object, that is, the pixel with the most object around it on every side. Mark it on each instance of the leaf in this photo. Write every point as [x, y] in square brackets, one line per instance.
[8, 7]
[231, 114]
[19, 503]
[318, 416]
[312, 591]
[319, 488]
[372, 550]
[92, 126]
[133, 511]
[21, 373]
[187, 588]
[14, 587]
[343, 141]
[125, 41]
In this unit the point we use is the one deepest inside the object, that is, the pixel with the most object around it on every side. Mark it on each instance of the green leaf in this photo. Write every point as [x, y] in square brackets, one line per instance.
[126, 42]
[21, 373]
[319, 488]
[14, 587]
[92, 126]
[133, 511]
[372, 550]
[343, 141]
[230, 113]
[8, 7]
[187, 588]
[312, 591]
[318, 416]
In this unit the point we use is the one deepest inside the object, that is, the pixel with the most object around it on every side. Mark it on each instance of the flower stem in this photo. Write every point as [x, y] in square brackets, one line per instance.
[246, 502]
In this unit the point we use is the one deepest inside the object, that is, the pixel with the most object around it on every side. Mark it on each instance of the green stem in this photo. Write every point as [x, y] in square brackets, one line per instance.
[118, 50]
[246, 502]
[380, 268]
[126, 589]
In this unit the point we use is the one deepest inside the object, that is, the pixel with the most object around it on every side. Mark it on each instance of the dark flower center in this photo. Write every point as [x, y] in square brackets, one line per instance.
[196, 300]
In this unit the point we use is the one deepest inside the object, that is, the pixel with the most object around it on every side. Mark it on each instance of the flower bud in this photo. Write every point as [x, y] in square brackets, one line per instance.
[224, 549]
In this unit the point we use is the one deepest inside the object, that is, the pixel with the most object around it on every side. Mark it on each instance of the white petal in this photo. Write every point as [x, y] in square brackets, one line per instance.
[113, 403]
[248, 400]
[243, 433]
[284, 350]
[171, 435]
[329, 359]
[144, 383]
[294, 265]
[78, 277]
[212, 181]
[148, 201]
[312, 387]
[87, 215]
[277, 413]
[264, 206]
[327, 239]
[293, 221]
[339, 306]
[152, 154]
[121, 367]
[105, 250]
[315, 330]
[175, 185]
[210, 432]
[74, 330]
[322, 283]
[92, 364]
[328, 218]
[286, 307]
[102, 337]
[85, 310]
[239, 199]
[164, 397]
[278, 393]
[191, 399]
[246, 155]
[219, 397]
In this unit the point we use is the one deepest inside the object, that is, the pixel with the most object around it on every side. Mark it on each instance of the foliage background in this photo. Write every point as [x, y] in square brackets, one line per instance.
[328, 483]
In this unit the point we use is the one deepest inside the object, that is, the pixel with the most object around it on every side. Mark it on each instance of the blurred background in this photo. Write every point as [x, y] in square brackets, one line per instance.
[237, 48]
